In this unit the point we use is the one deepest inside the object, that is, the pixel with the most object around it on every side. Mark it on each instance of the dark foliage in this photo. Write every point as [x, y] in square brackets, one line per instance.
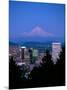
[14, 74]
[43, 74]
[47, 74]
[60, 67]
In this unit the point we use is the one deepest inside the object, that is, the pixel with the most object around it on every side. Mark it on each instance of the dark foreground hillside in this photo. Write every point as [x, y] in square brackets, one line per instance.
[46, 75]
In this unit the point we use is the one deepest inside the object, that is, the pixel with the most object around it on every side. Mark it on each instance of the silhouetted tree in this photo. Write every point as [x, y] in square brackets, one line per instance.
[47, 74]
[14, 74]
[47, 58]
[43, 74]
[61, 59]
[60, 67]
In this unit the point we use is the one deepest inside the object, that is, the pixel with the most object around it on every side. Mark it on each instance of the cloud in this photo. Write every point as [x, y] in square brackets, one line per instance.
[37, 31]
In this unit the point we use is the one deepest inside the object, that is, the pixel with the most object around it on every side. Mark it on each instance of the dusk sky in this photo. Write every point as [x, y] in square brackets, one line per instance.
[27, 20]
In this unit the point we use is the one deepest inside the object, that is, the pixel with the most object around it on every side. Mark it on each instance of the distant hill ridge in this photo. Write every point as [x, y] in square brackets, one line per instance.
[12, 43]
[33, 44]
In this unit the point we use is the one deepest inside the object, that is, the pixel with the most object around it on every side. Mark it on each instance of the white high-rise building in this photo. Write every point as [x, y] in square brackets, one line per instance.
[56, 49]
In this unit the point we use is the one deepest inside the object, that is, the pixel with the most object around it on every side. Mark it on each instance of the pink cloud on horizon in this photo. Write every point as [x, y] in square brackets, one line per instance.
[37, 31]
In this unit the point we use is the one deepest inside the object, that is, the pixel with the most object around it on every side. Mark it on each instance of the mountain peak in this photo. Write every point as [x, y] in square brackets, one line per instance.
[38, 32]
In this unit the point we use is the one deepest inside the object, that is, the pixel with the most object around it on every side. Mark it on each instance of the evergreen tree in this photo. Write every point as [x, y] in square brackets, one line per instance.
[60, 67]
[43, 74]
[14, 74]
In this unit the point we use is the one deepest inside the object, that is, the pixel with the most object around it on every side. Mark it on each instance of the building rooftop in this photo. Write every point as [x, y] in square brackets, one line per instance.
[56, 43]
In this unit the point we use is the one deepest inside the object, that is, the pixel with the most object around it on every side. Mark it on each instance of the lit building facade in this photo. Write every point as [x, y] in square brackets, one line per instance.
[56, 49]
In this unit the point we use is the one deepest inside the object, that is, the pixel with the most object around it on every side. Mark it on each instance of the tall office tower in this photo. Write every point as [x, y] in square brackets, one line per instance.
[35, 55]
[26, 53]
[31, 54]
[56, 49]
[22, 50]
